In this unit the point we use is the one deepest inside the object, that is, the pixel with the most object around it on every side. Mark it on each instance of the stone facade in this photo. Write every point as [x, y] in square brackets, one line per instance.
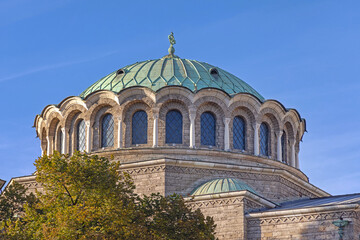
[157, 166]
[68, 113]
[228, 210]
[306, 225]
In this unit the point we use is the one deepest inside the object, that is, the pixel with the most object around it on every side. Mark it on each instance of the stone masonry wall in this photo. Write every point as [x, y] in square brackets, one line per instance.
[149, 180]
[316, 226]
[228, 215]
[183, 180]
[356, 225]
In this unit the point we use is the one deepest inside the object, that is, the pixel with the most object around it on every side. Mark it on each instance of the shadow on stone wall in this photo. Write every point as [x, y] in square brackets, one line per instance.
[297, 228]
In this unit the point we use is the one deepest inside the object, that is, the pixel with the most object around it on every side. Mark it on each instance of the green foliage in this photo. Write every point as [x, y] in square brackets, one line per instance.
[12, 202]
[87, 197]
[169, 218]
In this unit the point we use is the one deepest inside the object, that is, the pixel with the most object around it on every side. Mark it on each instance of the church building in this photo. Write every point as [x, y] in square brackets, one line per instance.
[188, 127]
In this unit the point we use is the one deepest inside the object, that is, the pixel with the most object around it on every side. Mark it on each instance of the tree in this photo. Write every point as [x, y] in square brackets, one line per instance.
[12, 201]
[170, 218]
[87, 197]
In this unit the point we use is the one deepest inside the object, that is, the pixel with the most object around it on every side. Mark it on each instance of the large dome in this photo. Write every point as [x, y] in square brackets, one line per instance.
[173, 71]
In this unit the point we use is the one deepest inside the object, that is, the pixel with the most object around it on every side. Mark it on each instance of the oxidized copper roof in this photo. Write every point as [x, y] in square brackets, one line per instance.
[221, 185]
[172, 71]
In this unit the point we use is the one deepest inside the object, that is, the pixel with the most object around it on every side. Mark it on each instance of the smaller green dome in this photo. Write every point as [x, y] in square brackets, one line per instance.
[221, 185]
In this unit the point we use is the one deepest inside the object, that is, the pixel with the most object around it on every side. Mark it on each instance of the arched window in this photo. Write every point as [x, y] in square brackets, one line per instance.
[81, 137]
[264, 140]
[239, 133]
[107, 131]
[60, 137]
[208, 129]
[139, 127]
[174, 124]
[284, 147]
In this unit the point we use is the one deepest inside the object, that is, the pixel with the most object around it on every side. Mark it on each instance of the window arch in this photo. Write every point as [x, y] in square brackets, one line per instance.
[80, 136]
[174, 125]
[239, 134]
[208, 129]
[107, 131]
[139, 127]
[284, 147]
[264, 139]
[60, 139]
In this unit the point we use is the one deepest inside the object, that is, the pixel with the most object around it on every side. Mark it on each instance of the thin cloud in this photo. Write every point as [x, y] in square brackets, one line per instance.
[54, 66]
[25, 9]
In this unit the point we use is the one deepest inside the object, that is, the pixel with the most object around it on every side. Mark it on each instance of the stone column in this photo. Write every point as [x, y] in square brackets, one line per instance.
[48, 145]
[120, 132]
[256, 139]
[88, 136]
[192, 115]
[293, 155]
[155, 127]
[63, 143]
[227, 134]
[279, 147]
[42, 150]
[297, 165]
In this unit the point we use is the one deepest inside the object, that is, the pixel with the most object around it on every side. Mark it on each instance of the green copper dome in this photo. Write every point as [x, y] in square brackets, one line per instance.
[221, 185]
[172, 71]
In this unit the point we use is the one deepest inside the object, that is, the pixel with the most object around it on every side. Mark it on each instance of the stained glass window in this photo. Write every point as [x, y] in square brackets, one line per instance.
[239, 133]
[139, 127]
[174, 125]
[208, 129]
[264, 140]
[81, 137]
[283, 148]
[107, 131]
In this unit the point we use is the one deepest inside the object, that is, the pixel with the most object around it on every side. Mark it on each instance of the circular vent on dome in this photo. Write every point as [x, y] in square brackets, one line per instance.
[159, 73]
[214, 72]
[120, 71]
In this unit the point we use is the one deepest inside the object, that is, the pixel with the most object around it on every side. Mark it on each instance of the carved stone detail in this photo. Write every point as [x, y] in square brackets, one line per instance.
[217, 202]
[251, 205]
[145, 170]
[303, 218]
[221, 173]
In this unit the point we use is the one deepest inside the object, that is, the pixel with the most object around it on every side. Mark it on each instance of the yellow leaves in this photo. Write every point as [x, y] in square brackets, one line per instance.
[87, 197]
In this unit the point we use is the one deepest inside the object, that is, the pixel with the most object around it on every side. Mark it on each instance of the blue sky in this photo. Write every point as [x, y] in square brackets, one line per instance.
[306, 54]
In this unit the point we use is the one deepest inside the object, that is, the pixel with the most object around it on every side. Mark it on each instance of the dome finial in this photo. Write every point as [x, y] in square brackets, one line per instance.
[172, 42]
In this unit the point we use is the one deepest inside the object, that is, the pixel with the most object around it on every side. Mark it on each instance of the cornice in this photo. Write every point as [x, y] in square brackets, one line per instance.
[301, 215]
[237, 196]
[196, 164]
[195, 153]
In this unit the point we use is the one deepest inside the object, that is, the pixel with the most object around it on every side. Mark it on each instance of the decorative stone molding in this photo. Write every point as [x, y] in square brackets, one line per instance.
[145, 170]
[242, 175]
[229, 198]
[251, 205]
[302, 218]
[194, 168]
[214, 203]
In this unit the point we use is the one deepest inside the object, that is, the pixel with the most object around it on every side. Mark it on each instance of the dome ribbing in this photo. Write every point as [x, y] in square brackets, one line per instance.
[221, 185]
[173, 71]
